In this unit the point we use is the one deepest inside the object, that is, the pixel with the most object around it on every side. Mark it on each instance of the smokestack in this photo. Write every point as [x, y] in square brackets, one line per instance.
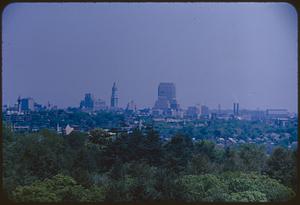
[234, 108]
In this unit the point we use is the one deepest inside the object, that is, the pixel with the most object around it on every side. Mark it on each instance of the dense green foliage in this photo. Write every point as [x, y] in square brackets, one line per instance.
[95, 166]
[58, 188]
[238, 129]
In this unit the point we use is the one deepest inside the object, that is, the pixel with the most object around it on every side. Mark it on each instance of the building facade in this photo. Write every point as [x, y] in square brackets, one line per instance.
[131, 106]
[88, 102]
[114, 96]
[99, 104]
[204, 111]
[277, 113]
[25, 104]
[193, 112]
[166, 101]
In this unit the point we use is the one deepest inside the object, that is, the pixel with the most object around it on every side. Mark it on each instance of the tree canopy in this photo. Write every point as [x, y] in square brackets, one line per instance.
[140, 166]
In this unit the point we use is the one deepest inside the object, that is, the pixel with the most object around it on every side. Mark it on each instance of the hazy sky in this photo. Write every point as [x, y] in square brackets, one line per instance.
[213, 52]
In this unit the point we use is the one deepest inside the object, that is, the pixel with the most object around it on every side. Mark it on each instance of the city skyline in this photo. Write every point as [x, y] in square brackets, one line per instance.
[218, 53]
[109, 105]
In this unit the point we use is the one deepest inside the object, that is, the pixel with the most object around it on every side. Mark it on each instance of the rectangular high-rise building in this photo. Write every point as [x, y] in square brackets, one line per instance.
[87, 102]
[167, 90]
[166, 97]
[27, 104]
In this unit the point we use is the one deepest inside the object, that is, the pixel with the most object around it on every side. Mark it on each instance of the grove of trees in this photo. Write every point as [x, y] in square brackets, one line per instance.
[95, 167]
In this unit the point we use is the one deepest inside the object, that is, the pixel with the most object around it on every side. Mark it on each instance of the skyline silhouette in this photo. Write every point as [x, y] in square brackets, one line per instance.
[215, 53]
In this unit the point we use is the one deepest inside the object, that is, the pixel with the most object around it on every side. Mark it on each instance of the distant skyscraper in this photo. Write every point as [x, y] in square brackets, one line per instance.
[166, 97]
[167, 90]
[26, 104]
[114, 96]
[88, 102]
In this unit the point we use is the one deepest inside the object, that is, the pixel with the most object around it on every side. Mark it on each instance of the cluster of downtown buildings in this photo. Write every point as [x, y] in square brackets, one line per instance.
[166, 106]
[28, 116]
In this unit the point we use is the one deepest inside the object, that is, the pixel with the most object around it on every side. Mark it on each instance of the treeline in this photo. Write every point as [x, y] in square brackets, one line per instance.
[47, 167]
[238, 129]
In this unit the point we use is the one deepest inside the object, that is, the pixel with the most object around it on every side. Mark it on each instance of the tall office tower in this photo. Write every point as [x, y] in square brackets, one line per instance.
[167, 90]
[237, 108]
[87, 102]
[166, 97]
[114, 96]
[27, 104]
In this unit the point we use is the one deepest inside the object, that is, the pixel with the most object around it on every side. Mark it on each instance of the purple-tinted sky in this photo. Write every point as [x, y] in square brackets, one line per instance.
[213, 52]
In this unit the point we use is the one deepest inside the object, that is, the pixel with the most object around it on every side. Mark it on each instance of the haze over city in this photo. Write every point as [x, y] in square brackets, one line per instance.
[215, 53]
